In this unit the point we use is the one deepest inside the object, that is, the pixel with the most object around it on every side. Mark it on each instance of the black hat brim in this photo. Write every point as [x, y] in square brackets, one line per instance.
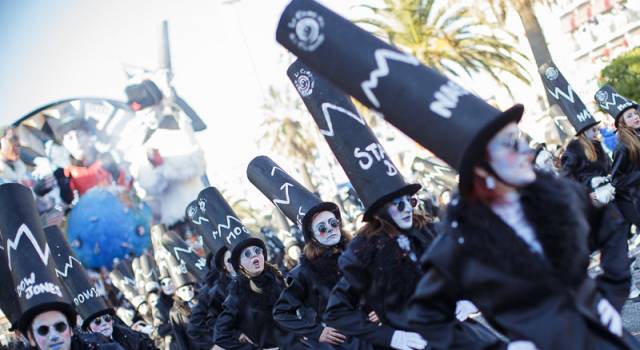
[27, 317]
[477, 148]
[86, 321]
[308, 217]
[587, 127]
[235, 252]
[410, 190]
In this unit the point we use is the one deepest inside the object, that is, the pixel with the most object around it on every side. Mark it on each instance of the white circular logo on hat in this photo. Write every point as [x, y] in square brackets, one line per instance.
[551, 73]
[304, 82]
[191, 212]
[601, 96]
[307, 30]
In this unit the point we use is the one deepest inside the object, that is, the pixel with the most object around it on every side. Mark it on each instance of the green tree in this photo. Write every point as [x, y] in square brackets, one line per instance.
[623, 73]
[448, 38]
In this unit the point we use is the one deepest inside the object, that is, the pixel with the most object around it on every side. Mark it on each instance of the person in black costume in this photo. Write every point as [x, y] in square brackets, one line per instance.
[162, 332]
[116, 331]
[585, 161]
[200, 327]
[183, 302]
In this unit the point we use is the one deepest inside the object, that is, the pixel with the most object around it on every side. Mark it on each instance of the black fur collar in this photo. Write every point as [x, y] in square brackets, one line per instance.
[555, 208]
[325, 268]
[270, 285]
[600, 166]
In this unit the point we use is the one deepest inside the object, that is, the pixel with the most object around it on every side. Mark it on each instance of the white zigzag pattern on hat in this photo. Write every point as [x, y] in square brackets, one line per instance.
[228, 225]
[24, 230]
[382, 70]
[199, 220]
[67, 266]
[325, 111]
[187, 251]
[606, 104]
[287, 199]
[558, 92]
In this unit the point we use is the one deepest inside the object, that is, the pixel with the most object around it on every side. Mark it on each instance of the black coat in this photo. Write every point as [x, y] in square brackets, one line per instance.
[609, 229]
[130, 339]
[200, 327]
[250, 313]
[379, 273]
[301, 305]
[92, 341]
[161, 325]
[179, 317]
[625, 177]
[217, 296]
[577, 166]
[548, 300]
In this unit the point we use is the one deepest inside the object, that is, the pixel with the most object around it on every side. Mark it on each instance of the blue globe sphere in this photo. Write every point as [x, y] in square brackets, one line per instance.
[107, 224]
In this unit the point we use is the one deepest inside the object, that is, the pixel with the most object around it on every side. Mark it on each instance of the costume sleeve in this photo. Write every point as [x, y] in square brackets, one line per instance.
[621, 176]
[285, 310]
[343, 308]
[197, 328]
[226, 328]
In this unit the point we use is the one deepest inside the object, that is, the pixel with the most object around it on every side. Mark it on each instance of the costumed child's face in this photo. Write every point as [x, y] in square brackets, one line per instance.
[510, 157]
[50, 330]
[631, 118]
[252, 260]
[326, 228]
[186, 293]
[400, 210]
[591, 133]
[103, 325]
[167, 286]
[227, 263]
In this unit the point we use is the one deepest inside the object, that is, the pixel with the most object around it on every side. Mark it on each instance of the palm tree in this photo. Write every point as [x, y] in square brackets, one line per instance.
[288, 132]
[448, 38]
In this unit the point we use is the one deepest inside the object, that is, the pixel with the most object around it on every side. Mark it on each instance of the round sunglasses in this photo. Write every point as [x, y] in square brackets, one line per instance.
[104, 318]
[59, 327]
[322, 227]
[401, 203]
[248, 252]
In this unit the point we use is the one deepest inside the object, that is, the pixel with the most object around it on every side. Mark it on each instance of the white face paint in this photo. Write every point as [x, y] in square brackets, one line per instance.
[326, 228]
[252, 260]
[591, 133]
[401, 211]
[102, 325]
[78, 143]
[510, 157]
[152, 299]
[50, 330]
[167, 286]
[227, 263]
[631, 118]
[186, 293]
[544, 161]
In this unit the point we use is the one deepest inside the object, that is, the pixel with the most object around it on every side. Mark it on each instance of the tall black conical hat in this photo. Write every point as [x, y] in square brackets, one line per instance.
[227, 225]
[180, 274]
[613, 103]
[149, 273]
[123, 278]
[569, 101]
[295, 201]
[88, 299]
[419, 101]
[177, 247]
[27, 256]
[364, 160]
[205, 217]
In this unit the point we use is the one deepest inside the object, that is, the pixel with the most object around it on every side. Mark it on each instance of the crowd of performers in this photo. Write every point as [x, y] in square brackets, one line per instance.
[513, 245]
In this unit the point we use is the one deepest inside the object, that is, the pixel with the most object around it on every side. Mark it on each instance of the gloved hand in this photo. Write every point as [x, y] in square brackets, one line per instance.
[464, 308]
[604, 194]
[610, 317]
[402, 340]
[598, 181]
[521, 345]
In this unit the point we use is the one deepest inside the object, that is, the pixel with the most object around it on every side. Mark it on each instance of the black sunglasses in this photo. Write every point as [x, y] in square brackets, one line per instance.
[98, 320]
[60, 327]
[401, 204]
[322, 227]
[256, 251]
